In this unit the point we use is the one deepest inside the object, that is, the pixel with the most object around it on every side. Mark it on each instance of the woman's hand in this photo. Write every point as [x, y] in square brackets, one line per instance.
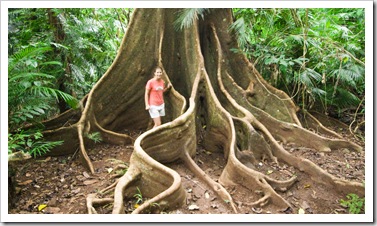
[168, 87]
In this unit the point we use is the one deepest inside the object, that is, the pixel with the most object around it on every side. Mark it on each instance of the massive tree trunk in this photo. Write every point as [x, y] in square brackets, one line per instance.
[218, 100]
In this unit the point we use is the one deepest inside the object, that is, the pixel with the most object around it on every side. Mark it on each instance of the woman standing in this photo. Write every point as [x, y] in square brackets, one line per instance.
[154, 98]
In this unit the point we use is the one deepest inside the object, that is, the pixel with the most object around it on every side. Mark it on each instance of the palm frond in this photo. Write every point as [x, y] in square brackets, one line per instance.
[239, 29]
[31, 111]
[51, 63]
[350, 74]
[186, 17]
[319, 92]
[50, 92]
[309, 77]
[295, 39]
[30, 76]
[343, 98]
[23, 54]
[40, 148]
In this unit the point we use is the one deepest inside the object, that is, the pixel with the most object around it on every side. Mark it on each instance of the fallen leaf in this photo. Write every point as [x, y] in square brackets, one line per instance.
[76, 191]
[89, 182]
[269, 172]
[41, 207]
[80, 178]
[109, 170]
[307, 186]
[314, 194]
[86, 174]
[301, 211]
[305, 205]
[25, 182]
[193, 207]
[256, 210]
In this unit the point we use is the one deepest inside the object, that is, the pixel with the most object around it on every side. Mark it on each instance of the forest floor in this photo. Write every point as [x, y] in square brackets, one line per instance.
[60, 185]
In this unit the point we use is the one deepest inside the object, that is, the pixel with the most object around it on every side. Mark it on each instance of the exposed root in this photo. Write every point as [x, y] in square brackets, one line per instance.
[318, 174]
[92, 201]
[112, 137]
[261, 202]
[284, 131]
[287, 132]
[130, 177]
[18, 156]
[220, 190]
[282, 186]
[235, 172]
[120, 167]
[314, 123]
[83, 154]
[109, 188]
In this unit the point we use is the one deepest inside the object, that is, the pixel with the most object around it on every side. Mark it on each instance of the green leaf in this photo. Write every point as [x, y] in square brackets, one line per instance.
[29, 143]
[188, 16]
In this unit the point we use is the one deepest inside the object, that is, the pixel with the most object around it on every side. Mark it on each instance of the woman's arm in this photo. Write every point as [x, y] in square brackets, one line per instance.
[167, 87]
[146, 98]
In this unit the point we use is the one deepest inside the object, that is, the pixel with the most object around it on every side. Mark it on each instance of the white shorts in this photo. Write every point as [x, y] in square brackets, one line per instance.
[157, 111]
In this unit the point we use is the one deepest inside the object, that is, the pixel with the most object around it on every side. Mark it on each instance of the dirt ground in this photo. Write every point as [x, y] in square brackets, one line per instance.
[59, 185]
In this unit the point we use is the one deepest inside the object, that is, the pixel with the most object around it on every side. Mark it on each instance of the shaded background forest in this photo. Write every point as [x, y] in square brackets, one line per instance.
[55, 56]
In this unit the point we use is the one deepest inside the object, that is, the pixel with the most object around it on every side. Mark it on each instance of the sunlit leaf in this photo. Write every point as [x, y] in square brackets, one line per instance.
[301, 211]
[41, 207]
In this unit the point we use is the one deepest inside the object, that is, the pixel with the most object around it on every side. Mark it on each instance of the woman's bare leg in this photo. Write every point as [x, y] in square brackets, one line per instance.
[157, 121]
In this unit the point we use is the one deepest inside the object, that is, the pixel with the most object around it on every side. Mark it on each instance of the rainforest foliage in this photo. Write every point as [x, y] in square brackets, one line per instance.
[55, 56]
